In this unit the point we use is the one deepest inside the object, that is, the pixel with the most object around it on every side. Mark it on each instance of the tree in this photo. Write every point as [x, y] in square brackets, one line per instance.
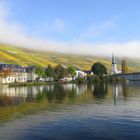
[50, 72]
[60, 72]
[40, 71]
[99, 69]
[4, 74]
[124, 66]
[72, 71]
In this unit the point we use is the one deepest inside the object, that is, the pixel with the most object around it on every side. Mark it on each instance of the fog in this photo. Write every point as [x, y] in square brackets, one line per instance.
[14, 33]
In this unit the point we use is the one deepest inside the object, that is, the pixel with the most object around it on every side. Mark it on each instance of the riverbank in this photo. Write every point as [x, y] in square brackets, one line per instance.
[37, 83]
[91, 79]
[30, 84]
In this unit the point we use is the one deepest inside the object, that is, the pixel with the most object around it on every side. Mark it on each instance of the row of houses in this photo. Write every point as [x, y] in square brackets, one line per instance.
[21, 74]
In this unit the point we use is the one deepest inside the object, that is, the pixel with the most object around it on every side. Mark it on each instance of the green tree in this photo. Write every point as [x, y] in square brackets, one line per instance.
[50, 72]
[60, 72]
[72, 71]
[40, 71]
[99, 69]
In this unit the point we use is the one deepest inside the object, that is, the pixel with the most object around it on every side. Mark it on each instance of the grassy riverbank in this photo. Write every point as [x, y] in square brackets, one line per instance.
[30, 84]
[90, 79]
[38, 83]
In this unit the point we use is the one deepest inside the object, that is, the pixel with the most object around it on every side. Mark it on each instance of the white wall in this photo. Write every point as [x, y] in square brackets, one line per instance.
[15, 77]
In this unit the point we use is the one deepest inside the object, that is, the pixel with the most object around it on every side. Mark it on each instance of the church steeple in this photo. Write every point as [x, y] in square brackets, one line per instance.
[113, 58]
[114, 66]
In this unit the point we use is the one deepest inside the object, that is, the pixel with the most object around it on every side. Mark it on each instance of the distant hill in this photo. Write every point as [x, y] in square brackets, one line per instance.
[23, 56]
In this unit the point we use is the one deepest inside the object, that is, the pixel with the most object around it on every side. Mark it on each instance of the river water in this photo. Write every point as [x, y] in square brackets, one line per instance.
[71, 112]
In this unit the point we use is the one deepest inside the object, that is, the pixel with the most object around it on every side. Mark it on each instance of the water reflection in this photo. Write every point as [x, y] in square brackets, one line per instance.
[125, 87]
[16, 95]
[83, 111]
[71, 92]
[115, 93]
[100, 90]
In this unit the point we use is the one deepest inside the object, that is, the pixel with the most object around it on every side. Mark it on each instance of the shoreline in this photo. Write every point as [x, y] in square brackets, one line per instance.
[94, 79]
[35, 84]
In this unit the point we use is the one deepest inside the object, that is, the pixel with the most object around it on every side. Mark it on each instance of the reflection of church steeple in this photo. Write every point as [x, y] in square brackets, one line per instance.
[115, 94]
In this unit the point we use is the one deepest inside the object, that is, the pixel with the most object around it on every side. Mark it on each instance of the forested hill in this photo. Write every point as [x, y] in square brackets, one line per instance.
[24, 56]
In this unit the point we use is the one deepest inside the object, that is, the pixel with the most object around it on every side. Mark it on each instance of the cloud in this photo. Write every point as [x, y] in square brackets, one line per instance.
[128, 49]
[58, 25]
[96, 30]
[14, 33]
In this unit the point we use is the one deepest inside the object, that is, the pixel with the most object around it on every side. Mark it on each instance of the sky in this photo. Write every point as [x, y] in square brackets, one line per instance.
[94, 27]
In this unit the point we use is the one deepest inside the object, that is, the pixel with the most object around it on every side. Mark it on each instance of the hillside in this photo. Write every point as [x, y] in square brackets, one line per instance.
[24, 56]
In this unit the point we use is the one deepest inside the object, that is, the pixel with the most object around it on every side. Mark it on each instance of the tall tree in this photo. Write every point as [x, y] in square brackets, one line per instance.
[40, 71]
[60, 72]
[124, 66]
[50, 72]
[99, 69]
[72, 71]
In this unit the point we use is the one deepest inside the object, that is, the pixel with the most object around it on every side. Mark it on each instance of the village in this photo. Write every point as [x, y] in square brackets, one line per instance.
[13, 73]
[20, 74]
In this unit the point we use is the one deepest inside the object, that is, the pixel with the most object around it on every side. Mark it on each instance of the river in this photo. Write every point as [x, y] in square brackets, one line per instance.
[71, 112]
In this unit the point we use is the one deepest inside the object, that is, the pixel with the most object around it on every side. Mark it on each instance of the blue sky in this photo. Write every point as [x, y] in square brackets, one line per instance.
[78, 17]
[73, 22]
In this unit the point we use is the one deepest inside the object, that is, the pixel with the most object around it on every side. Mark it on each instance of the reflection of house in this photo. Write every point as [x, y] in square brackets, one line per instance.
[31, 75]
[17, 95]
[14, 92]
[17, 73]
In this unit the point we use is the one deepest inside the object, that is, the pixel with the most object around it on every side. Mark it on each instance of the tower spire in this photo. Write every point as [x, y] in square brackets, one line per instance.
[113, 58]
[114, 66]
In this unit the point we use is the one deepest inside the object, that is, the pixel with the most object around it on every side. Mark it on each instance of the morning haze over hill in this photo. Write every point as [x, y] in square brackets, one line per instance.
[23, 56]
[72, 32]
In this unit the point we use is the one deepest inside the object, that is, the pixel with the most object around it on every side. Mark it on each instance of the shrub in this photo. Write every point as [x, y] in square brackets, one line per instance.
[94, 78]
[80, 80]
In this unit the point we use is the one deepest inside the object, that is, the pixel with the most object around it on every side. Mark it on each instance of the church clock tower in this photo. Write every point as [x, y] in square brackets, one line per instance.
[114, 66]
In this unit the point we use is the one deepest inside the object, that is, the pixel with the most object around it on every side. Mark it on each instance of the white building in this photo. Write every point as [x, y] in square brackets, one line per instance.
[80, 74]
[114, 66]
[17, 73]
[31, 75]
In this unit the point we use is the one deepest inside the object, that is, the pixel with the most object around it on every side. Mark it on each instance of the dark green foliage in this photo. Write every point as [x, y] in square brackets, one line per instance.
[72, 71]
[105, 78]
[50, 72]
[116, 79]
[119, 79]
[99, 69]
[60, 72]
[26, 84]
[40, 71]
[94, 78]
[80, 80]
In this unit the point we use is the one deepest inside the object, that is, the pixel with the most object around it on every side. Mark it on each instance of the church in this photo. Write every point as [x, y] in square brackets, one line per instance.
[114, 66]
